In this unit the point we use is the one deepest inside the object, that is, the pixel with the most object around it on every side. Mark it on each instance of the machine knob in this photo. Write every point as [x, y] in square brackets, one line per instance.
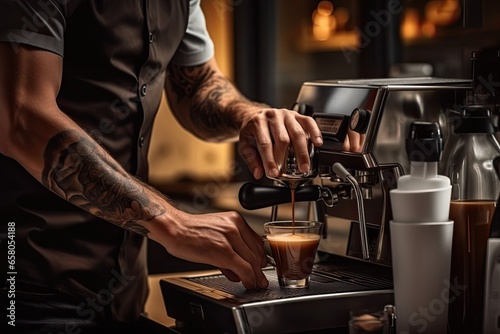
[359, 120]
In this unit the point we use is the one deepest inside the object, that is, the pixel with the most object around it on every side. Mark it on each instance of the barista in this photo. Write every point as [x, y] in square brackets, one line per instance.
[80, 85]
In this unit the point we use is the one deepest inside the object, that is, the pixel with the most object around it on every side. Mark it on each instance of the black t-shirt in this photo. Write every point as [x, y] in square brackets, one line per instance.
[115, 55]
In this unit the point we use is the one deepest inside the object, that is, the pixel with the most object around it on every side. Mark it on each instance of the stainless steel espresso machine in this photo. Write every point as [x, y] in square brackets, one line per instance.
[348, 190]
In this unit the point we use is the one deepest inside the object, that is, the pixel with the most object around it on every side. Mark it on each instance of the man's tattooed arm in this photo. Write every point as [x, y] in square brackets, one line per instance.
[216, 106]
[82, 172]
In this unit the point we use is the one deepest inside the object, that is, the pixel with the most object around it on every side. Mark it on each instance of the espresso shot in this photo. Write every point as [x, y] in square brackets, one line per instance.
[293, 246]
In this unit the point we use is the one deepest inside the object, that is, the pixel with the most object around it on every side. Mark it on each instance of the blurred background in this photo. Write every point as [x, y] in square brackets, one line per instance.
[270, 47]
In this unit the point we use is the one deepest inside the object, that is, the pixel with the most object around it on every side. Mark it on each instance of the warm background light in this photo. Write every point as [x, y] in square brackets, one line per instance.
[324, 22]
[428, 29]
[410, 26]
[341, 15]
[436, 13]
[442, 12]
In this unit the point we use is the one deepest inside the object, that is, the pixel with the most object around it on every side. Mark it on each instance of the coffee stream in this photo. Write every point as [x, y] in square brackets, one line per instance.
[292, 191]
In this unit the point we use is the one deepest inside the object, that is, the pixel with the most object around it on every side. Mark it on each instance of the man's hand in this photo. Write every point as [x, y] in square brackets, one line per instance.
[217, 111]
[222, 239]
[264, 139]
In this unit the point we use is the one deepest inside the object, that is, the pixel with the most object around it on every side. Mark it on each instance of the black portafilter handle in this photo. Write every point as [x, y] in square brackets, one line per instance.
[253, 196]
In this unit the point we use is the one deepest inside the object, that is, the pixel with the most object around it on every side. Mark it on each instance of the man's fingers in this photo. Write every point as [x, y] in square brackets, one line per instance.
[251, 250]
[239, 269]
[230, 275]
[311, 128]
[270, 133]
[252, 158]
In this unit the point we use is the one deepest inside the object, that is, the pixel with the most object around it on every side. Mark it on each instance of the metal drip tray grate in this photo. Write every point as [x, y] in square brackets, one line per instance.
[322, 282]
[360, 278]
[213, 304]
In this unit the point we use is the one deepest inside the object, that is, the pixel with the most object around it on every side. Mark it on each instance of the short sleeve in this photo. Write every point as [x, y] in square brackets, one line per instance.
[37, 23]
[196, 47]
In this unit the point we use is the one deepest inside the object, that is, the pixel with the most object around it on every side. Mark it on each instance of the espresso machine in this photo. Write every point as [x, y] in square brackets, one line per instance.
[348, 190]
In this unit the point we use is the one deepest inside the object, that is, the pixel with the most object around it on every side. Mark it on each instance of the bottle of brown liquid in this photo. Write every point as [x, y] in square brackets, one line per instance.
[468, 161]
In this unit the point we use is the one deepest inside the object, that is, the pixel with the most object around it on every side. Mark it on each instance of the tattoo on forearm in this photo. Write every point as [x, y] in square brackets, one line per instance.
[80, 171]
[213, 99]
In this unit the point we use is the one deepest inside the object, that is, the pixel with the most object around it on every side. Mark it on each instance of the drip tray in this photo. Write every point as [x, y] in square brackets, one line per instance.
[213, 304]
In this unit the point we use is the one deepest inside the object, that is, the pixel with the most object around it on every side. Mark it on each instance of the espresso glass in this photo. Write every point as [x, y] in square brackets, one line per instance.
[293, 248]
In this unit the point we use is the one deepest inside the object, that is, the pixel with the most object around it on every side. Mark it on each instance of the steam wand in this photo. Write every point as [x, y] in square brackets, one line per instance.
[344, 174]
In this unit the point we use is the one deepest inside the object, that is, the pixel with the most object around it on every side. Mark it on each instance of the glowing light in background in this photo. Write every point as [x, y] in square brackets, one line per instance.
[437, 13]
[410, 26]
[324, 23]
[442, 12]
[341, 15]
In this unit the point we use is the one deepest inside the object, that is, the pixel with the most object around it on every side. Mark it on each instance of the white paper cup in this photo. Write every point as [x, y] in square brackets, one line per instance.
[421, 205]
[421, 260]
